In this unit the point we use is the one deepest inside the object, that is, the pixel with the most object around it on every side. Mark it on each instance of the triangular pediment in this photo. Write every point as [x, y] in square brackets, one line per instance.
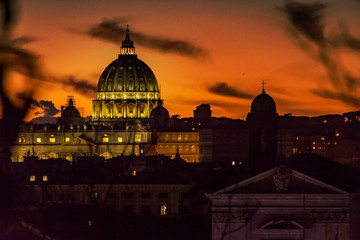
[281, 180]
[281, 224]
[79, 141]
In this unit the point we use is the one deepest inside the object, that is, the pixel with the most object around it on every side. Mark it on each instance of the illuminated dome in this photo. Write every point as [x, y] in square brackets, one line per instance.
[127, 74]
[263, 104]
[127, 88]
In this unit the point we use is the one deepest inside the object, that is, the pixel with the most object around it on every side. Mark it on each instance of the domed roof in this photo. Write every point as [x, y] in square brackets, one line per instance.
[70, 111]
[159, 111]
[263, 104]
[159, 116]
[127, 73]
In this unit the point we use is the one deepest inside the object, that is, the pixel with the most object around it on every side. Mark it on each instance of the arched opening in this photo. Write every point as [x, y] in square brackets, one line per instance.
[52, 155]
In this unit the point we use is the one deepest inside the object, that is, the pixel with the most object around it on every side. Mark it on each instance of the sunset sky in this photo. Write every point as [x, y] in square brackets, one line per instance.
[308, 54]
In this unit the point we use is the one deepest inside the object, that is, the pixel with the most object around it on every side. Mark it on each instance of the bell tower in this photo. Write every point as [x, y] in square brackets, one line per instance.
[262, 123]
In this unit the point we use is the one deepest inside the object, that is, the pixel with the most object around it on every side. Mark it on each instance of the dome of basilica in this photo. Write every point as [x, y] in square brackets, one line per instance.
[127, 89]
[127, 74]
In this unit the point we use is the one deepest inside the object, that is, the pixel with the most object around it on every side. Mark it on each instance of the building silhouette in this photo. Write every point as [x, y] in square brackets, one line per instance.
[262, 124]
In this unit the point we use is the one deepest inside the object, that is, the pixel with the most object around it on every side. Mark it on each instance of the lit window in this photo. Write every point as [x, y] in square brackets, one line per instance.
[179, 137]
[335, 143]
[240, 163]
[67, 139]
[337, 134]
[134, 173]
[137, 137]
[52, 139]
[20, 158]
[297, 138]
[120, 139]
[323, 138]
[313, 147]
[314, 143]
[163, 210]
[193, 148]
[106, 138]
[142, 151]
[21, 139]
[32, 178]
[233, 163]
[38, 140]
[95, 195]
[45, 178]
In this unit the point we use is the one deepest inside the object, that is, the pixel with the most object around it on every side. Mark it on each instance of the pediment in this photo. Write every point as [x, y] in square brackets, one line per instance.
[281, 224]
[281, 180]
[79, 141]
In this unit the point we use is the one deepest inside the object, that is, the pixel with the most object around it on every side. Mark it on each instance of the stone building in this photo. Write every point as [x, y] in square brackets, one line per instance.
[282, 203]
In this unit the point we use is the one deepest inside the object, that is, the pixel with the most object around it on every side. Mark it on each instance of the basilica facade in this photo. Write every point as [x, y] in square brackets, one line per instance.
[128, 118]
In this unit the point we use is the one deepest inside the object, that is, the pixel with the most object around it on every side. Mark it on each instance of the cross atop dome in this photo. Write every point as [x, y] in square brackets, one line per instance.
[127, 47]
[263, 83]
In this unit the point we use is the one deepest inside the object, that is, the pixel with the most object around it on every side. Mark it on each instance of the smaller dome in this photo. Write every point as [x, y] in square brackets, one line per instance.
[263, 104]
[70, 111]
[70, 115]
[159, 116]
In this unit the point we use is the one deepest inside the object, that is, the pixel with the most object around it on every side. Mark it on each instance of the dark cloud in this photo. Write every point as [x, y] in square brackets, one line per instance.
[21, 41]
[307, 21]
[340, 96]
[19, 60]
[15, 58]
[48, 108]
[223, 89]
[346, 39]
[351, 82]
[307, 18]
[111, 31]
[81, 86]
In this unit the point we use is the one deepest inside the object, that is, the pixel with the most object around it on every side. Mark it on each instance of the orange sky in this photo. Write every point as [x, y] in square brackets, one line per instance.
[247, 43]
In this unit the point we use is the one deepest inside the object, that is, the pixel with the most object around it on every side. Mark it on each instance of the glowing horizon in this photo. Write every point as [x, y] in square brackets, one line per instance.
[232, 47]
